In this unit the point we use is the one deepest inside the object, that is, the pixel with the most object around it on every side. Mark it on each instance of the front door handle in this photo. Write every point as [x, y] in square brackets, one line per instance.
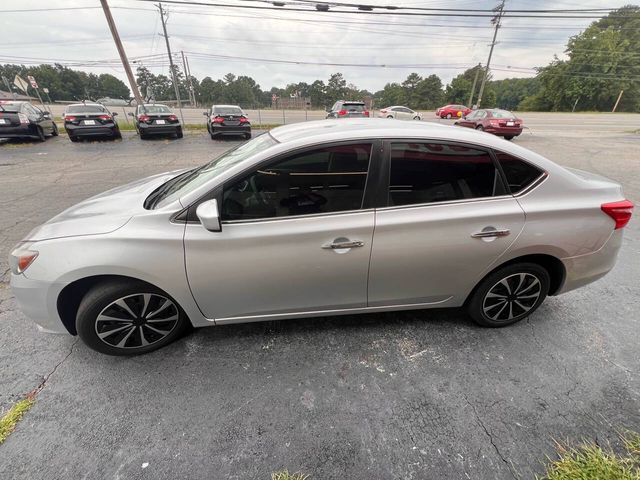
[491, 233]
[338, 244]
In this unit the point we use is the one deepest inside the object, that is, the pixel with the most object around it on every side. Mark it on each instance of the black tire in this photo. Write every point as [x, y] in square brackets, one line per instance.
[416, 117]
[519, 277]
[73, 138]
[213, 134]
[449, 116]
[54, 132]
[480, 127]
[389, 116]
[247, 136]
[508, 137]
[117, 135]
[40, 133]
[142, 136]
[179, 133]
[101, 298]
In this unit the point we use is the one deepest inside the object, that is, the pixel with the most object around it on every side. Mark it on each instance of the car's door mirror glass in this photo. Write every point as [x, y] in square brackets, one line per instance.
[207, 213]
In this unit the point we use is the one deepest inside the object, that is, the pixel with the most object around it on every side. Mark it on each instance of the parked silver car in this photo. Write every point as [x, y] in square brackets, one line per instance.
[399, 113]
[318, 219]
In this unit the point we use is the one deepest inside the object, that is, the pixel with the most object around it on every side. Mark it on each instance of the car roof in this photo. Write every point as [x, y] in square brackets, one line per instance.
[85, 105]
[226, 106]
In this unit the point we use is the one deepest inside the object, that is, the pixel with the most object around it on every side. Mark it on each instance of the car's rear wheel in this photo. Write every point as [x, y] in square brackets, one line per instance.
[389, 116]
[480, 127]
[509, 294]
[247, 136]
[449, 116]
[54, 132]
[40, 134]
[508, 137]
[128, 317]
[73, 138]
[179, 133]
[116, 134]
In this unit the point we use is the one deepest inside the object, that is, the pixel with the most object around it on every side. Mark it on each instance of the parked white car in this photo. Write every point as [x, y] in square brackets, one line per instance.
[399, 113]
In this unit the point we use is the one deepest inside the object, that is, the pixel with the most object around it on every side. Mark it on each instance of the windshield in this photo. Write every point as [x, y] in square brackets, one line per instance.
[227, 111]
[85, 108]
[189, 181]
[502, 114]
[156, 109]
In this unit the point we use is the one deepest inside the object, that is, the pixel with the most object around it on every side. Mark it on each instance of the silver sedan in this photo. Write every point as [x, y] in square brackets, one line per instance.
[318, 219]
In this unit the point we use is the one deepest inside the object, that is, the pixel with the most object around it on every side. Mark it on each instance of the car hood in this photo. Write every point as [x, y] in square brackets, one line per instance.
[103, 213]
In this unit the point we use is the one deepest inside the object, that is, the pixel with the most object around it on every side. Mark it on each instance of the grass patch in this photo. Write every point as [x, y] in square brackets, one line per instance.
[591, 462]
[285, 475]
[10, 419]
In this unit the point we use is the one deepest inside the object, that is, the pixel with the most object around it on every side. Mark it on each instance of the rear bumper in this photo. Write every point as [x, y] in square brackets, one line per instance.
[146, 129]
[504, 131]
[19, 131]
[38, 301]
[584, 269]
[91, 130]
[230, 129]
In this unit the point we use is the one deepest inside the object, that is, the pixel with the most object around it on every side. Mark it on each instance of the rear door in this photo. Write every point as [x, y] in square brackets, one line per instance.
[295, 237]
[448, 219]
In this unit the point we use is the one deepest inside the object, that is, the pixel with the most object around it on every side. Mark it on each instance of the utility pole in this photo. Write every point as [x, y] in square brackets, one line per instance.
[123, 55]
[193, 92]
[473, 88]
[188, 78]
[617, 101]
[496, 21]
[171, 66]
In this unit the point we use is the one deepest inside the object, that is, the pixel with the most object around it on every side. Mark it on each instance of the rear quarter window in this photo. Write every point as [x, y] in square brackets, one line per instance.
[519, 174]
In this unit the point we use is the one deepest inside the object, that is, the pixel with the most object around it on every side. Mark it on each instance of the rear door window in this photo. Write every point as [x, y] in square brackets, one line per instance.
[519, 174]
[436, 172]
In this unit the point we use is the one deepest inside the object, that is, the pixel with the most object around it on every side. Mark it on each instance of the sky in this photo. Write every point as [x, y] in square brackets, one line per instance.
[213, 37]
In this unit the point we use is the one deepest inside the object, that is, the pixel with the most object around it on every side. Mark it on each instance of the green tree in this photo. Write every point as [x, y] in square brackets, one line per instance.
[336, 87]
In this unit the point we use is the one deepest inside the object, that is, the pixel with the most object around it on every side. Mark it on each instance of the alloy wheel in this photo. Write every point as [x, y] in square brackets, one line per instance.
[513, 296]
[137, 320]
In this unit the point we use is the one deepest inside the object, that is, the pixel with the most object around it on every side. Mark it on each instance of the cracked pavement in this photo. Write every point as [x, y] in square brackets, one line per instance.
[419, 394]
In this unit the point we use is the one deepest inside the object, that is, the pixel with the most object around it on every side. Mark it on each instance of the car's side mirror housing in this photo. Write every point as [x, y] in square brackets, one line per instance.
[206, 114]
[208, 214]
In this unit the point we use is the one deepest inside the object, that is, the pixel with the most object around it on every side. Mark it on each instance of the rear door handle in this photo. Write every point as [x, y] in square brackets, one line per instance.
[491, 233]
[338, 245]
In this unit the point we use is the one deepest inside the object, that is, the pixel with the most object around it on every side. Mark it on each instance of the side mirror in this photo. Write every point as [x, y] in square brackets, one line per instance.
[45, 113]
[131, 114]
[207, 213]
[206, 114]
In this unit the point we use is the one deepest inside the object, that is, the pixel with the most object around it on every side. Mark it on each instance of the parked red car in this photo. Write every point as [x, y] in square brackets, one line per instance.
[451, 111]
[498, 122]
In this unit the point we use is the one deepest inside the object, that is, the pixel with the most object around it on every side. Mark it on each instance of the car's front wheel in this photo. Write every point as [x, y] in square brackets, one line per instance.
[128, 317]
[509, 294]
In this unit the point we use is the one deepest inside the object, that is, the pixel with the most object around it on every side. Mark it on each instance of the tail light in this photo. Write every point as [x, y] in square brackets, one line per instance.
[217, 119]
[105, 117]
[173, 118]
[366, 113]
[23, 118]
[244, 120]
[69, 118]
[143, 118]
[342, 113]
[494, 123]
[619, 211]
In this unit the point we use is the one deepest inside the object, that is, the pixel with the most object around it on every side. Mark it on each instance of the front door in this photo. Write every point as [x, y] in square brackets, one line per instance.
[448, 220]
[294, 238]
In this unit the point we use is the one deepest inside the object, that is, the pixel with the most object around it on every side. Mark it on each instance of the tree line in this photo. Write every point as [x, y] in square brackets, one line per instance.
[602, 61]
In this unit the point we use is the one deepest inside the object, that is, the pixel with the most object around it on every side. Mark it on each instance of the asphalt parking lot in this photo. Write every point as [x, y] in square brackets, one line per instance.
[412, 395]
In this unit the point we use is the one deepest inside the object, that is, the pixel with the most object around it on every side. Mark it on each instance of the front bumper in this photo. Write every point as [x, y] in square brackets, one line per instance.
[584, 269]
[38, 301]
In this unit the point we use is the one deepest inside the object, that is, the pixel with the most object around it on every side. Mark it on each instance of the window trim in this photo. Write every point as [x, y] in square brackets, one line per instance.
[383, 198]
[371, 187]
[537, 181]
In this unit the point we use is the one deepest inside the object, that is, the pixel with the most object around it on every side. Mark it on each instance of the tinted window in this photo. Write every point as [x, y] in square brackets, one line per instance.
[85, 108]
[227, 111]
[156, 109]
[353, 107]
[10, 106]
[330, 179]
[502, 114]
[519, 173]
[430, 172]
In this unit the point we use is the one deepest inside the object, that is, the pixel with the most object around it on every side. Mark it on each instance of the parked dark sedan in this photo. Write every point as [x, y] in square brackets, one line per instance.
[156, 119]
[24, 120]
[496, 121]
[90, 120]
[227, 120]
